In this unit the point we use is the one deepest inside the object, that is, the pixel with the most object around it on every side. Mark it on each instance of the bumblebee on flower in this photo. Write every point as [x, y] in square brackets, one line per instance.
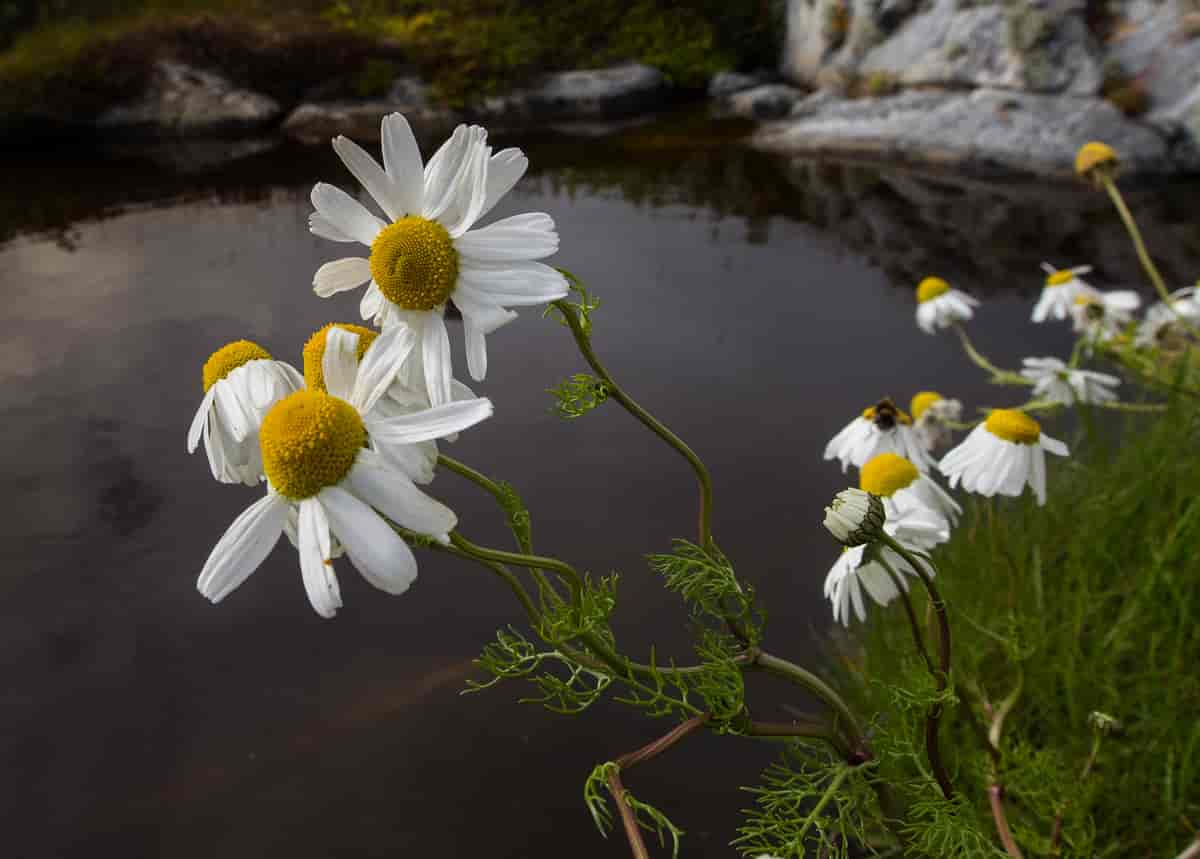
[881, 427]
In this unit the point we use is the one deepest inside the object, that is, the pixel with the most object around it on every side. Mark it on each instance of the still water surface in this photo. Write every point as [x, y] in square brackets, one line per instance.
[754, 305]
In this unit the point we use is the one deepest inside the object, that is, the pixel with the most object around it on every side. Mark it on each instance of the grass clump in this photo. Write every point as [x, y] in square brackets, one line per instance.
[1063, 616]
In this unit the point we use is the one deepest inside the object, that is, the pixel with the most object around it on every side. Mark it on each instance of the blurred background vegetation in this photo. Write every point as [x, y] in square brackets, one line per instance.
[91, 52]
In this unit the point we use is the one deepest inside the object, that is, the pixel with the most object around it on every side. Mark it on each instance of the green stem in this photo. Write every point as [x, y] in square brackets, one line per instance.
[834, 784]
[583, 341]
[932, 720]
[1136, 235]
[844, 721]
[918, 639]
[1006, 377]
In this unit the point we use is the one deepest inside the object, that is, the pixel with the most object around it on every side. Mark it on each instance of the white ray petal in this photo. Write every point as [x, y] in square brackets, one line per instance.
[486, 314]
[380, 364]
[200, 419]
[244, 546]
[319, 225]
[376, 551]
[513, 283]
[505, 169]
[390, 492]
[316, 566]
[339, 364]
[402, 162]
[370, 175]
[476, 349]
[346, 214]
[341, 275]
[435, 356]
[430, 424]
[528, 236]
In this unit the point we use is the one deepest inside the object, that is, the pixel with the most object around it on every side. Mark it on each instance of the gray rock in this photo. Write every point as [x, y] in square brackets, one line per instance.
[727, 83]
[990, 132]
[769, 101]
[1162, 54]
[319, 122]
[812, 103]
[186, 101]
[587, 94]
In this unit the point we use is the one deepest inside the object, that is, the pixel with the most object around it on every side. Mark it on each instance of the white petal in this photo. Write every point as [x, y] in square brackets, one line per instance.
[505, 168]
[1037, 475]
[345, 214]
[446, 171]
[415, 460]
[244, 546]
[340, 275]
[471, 189]
[339, 364]
[476, 349]
[372, 302]
[484, 313]
[377, 551]
[435, 356]
[200, 419]
[522, 237]
[512, 283]
[232, 412]
[319, 225]
[378, 369]
[391, 493]
[433, 423]
[370, 175]
[402, 161]
[1052, 445]
[316, 567]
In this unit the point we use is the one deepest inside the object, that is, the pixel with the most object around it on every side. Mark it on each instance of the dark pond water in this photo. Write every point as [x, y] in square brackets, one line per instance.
[754, 305]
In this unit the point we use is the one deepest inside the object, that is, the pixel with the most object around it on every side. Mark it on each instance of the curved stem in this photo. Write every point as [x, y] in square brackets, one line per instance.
[520, 559]
[995, 798]
[628, 819]
[845, 720]
[998, 375]
[932, 720]
[1136, 235]
[583, 341]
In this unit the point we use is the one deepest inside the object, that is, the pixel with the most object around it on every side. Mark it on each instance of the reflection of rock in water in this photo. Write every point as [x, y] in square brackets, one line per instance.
[124, 501]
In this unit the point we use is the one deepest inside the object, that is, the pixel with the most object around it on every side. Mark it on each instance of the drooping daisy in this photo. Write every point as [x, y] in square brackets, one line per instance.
[1055, 382]
[1002, 455]
[940, 306]
[932, 414]
[882, 427]
[1162, 323]
[857, 570]
[406, 393]
[1059, 293]
[901, 485]
[426, 253]
[241, 382]
[1103, 315]
[318, 463]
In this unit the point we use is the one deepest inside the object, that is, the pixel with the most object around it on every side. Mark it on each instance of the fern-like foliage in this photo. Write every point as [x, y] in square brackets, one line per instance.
[565, 685]
[578, 395]
[708, 584]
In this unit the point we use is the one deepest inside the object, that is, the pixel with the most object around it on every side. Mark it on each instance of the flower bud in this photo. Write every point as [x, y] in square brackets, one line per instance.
[1104, 724]
[855, 517]
[1095, 161]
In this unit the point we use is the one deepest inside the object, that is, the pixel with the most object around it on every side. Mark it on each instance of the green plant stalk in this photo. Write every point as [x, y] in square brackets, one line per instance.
[834, 784]
[1006, 377]
[1135, 234]
[583, 341]
[932, 748]
[493, 488]
[845, 720]
[918, 638]
[628, 819]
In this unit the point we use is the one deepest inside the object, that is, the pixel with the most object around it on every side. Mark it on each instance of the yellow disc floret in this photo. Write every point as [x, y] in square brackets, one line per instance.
[1093, 155]
[1060, 277]
[1013, 426]
[885, 474]
[228, 358]
[309, 441]
[414, 263]
[923, 400]
[931, 287]
[314, 351]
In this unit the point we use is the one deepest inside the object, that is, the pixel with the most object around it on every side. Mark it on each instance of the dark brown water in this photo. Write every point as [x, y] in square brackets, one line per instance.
[755, 306]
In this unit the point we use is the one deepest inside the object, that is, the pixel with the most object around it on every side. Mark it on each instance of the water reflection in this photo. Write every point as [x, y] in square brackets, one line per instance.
[139, 719]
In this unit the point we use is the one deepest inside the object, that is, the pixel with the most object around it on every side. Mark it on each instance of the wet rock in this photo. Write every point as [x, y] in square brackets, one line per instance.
[769, 101]
[319, 122]
[584, 94]
[181, 100]
[985, 132]
[727, 83]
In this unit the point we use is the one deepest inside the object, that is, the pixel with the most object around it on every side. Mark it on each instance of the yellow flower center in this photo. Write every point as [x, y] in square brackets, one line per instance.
[885, 415]
[922, 401]
[1013, 426]
[931, 287]
[1058, 278]
[309, 441]
[314, 351]
[228, 358]
[1093, 155]
[414, 263]
[885, 474]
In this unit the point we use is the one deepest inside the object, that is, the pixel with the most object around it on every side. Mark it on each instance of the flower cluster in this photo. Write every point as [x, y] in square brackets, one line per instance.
[344, 447]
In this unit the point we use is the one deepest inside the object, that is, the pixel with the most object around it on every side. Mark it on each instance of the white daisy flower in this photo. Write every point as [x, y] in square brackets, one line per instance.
[900, 485]
[1162, 322]
[426, 253]
[1104, 315]
[405, 395]
[318, 464]
[856, 570]
[882, 427]
[931, 414]
[241, 383]
[1002, 455]
[1055, 382]
[1059, 293]
[940, 306]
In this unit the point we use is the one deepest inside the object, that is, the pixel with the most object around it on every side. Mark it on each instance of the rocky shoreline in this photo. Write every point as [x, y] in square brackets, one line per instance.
[990, 89]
